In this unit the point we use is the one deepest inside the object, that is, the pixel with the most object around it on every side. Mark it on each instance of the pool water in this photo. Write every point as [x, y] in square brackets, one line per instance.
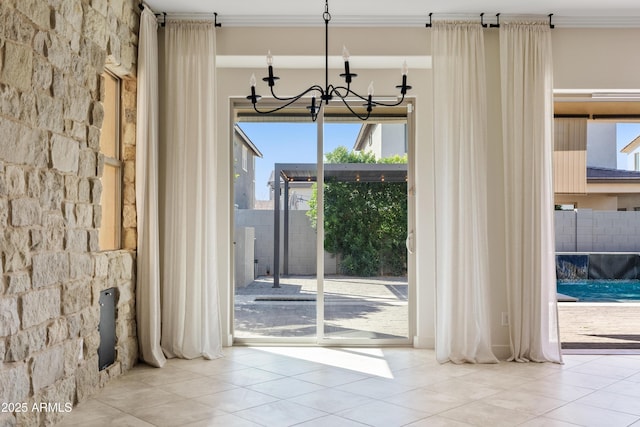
[601, 290]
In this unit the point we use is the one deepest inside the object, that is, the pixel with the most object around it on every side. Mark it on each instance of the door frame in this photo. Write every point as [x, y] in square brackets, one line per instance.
[409, 106]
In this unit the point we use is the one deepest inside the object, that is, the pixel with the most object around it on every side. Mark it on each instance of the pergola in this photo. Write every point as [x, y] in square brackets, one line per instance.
[308, 172]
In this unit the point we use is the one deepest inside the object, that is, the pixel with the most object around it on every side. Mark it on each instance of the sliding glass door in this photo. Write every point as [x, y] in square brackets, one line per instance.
[321, 251]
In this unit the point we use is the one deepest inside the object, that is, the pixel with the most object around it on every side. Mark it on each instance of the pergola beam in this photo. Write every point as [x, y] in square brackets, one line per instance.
[301, 172]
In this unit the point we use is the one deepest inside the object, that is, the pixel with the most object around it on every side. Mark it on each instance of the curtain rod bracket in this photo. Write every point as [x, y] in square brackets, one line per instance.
[482, 20]
[430, 24]
[497, 24]
[141, 6]
[215, 20]
[164, 18]
[552, 26]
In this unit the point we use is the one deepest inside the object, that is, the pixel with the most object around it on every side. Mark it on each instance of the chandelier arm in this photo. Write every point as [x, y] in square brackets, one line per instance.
[363, 118]
[384, 104]
[316, 88]
[336, 90]
[255, 108]
[283, 106]
[289, 101]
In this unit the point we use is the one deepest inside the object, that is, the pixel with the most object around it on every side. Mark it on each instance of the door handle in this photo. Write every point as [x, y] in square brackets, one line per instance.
[410, 243]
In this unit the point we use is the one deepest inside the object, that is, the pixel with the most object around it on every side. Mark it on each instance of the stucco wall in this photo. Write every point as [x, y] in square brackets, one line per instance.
[601, 147]
[574, 51]
[605, 202]
[233, 85]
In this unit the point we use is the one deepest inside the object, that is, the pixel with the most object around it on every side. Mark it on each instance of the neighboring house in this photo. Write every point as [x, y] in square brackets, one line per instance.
[585, 173]
[244, 197]
[632, 150]
[612, 189]
[382, 139]
[244, 154]
[602, 151]
[299, 194]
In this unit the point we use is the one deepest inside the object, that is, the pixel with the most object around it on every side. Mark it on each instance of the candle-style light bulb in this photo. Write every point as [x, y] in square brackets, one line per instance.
[312, 108]
[345, 53]
[270, 79]
[404, 87]
[369, 103]
[347, 72]
[253, 97]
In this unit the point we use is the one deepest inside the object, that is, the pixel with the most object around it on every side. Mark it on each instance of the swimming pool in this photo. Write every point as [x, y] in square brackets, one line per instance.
[601, 290]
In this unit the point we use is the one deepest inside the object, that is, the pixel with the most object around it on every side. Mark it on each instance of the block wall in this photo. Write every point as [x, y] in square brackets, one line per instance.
[586, 230]
[302, 242]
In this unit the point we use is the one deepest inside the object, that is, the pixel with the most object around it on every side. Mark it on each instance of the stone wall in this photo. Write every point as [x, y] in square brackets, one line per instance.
[52, 54]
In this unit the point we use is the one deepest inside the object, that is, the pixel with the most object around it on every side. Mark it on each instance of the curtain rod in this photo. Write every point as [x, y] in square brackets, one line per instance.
[598, 116]
[163, 15]
[496, 25]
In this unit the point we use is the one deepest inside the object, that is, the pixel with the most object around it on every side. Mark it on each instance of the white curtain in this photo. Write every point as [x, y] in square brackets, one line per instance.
[190, 309]
[148, 258]
[527, 117]
[460, 121]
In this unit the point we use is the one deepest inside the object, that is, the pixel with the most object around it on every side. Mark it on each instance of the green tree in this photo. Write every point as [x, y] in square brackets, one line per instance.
[365, 222]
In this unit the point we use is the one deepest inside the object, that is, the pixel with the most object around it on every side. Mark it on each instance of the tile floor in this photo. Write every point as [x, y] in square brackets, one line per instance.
[334, 387]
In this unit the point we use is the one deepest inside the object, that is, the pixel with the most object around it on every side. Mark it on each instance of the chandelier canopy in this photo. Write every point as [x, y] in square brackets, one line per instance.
[322, 95]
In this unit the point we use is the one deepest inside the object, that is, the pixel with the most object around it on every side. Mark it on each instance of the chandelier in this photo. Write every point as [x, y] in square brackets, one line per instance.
[322, 95]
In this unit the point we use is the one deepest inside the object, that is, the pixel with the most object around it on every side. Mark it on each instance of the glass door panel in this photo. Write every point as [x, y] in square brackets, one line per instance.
[365, 284]
[274, 239]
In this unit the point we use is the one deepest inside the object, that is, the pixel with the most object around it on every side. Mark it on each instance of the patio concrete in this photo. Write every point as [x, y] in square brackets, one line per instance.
[354, 307]
[599, 325]
[378, 308]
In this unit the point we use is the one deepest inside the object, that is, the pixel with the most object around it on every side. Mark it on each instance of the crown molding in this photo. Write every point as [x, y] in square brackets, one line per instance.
[379, 62]
[560, 21]
[316, 21]
[596, 21]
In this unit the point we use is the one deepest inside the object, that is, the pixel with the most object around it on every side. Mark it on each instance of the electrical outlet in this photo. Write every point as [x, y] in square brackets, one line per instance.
[505, 318]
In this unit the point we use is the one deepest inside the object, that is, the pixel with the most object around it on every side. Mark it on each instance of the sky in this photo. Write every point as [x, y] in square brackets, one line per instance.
[293, 143]
[625, 133]
[296, 143]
